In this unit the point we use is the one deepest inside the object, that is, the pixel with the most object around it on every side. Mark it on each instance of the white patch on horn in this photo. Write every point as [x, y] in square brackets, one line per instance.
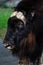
[19, 15]
[14, 14]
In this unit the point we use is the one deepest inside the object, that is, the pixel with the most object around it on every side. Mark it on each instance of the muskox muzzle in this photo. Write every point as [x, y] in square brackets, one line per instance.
[8, 43]
[15, 32]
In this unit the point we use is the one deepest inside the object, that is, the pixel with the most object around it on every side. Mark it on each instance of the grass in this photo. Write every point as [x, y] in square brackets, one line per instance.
[4, 15]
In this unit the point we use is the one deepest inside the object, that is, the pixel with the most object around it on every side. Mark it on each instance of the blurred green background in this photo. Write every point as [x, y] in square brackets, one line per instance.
[4, 15]
[6, 8]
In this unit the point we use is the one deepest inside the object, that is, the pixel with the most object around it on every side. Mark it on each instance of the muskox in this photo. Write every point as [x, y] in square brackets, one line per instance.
[24, 36]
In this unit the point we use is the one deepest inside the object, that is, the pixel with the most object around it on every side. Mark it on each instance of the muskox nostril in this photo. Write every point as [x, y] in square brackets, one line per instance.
[9, 46]
[6, 45]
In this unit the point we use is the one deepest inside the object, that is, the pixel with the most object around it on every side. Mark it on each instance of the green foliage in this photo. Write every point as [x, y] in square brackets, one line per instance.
[4, 15]
[5, 6]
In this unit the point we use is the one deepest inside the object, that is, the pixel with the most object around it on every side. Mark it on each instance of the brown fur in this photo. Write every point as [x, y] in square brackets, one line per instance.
[26, 42]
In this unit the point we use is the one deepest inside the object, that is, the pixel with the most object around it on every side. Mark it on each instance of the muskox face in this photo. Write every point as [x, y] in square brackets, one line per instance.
[16, 31]
[19, 36]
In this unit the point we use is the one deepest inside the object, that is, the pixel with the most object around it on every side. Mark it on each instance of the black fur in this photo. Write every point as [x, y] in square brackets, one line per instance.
[19, 38]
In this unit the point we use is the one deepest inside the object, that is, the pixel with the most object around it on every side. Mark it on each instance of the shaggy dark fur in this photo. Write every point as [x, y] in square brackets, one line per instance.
[26, 41]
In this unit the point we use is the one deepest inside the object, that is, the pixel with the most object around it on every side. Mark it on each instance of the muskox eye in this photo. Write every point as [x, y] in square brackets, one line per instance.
[20, 24]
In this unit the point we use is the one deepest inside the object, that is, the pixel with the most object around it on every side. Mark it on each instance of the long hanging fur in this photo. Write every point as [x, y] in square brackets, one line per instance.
[24, 35]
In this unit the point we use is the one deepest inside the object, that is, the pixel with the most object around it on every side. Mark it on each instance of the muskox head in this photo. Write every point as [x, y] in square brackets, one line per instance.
[19, 36]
